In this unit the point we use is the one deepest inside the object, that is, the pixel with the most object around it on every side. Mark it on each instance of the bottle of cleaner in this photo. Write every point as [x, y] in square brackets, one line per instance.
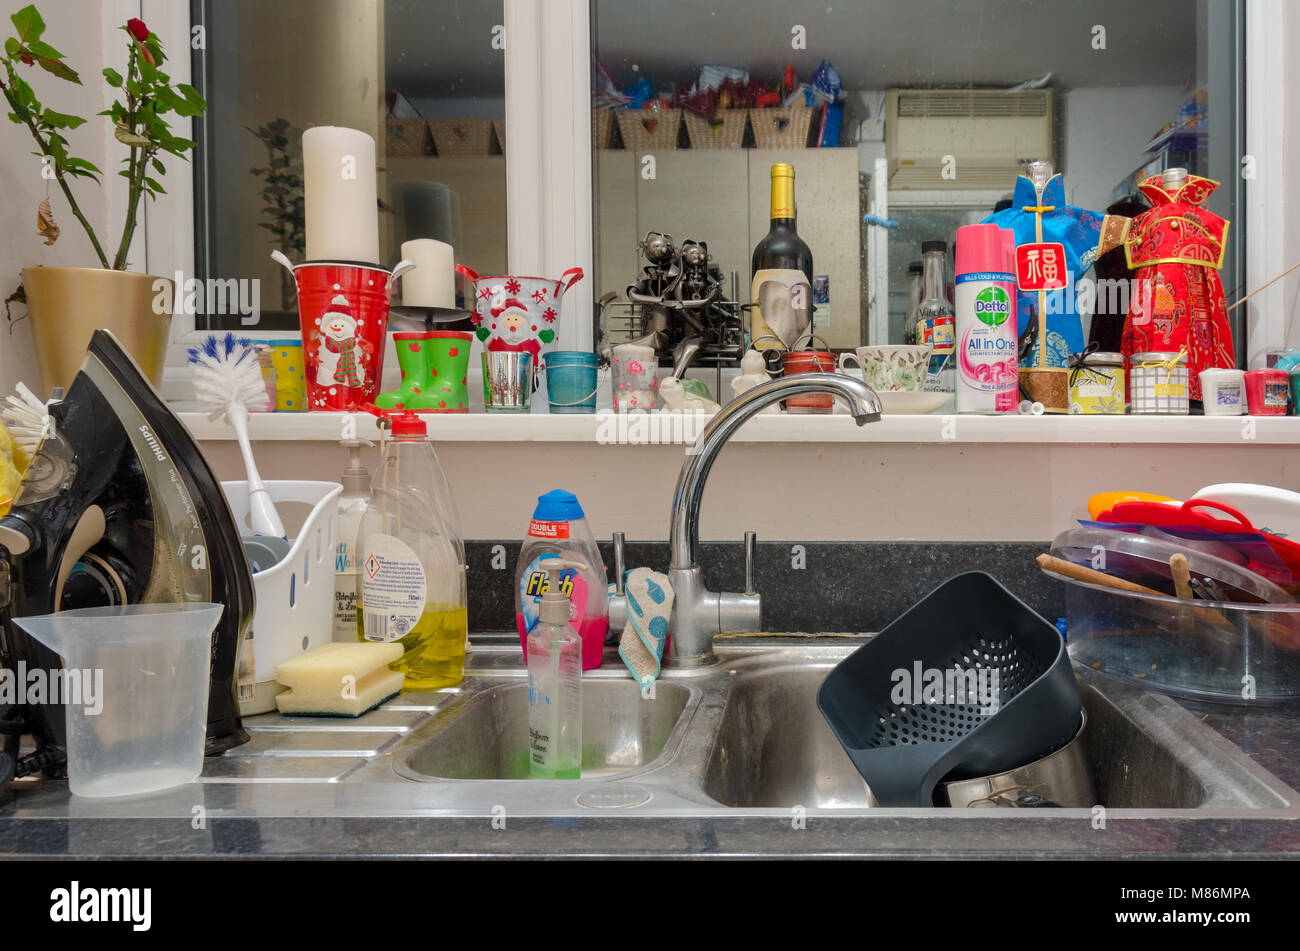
[558, 529]
[987, 369]
[352, 505]
[555, 681]
[411, 562]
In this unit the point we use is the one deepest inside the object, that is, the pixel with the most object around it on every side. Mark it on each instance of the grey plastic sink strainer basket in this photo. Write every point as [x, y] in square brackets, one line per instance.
[904, 748]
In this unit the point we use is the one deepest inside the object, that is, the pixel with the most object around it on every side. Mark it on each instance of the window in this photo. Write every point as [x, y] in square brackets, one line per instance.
[426, 81]
[1111, 75]
[942, 105]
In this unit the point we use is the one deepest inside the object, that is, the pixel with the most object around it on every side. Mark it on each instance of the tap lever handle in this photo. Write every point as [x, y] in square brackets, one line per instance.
[618, 563]
[751, 552]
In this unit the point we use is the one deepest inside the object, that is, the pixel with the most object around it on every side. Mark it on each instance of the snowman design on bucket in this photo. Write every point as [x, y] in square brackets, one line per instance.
[338, 359]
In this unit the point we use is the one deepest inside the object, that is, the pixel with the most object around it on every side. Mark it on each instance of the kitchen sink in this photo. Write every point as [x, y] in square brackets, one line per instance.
[486, 737]
[775, 750]
[732, 758]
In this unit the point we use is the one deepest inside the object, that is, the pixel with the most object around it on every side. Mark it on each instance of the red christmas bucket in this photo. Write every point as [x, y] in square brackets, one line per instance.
[343, 313]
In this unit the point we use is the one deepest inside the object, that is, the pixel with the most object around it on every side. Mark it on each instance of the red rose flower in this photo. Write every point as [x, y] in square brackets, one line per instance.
[137, 29]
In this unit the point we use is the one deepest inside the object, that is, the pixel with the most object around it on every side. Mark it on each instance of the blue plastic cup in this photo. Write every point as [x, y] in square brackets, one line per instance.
[571, 381]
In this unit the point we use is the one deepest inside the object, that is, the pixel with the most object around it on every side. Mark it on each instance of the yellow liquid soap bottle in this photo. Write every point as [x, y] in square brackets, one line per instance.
[411, 562]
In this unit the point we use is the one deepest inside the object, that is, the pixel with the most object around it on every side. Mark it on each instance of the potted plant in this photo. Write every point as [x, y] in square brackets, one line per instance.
[67, 304]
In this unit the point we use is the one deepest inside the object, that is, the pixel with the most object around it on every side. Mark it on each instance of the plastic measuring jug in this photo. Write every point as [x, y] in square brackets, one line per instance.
[134, 686]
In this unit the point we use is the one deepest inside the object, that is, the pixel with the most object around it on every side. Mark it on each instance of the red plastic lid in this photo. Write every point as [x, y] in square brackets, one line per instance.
[409, 424]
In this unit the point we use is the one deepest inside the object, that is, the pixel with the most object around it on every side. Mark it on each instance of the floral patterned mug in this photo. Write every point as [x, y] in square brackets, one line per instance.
[891, 368]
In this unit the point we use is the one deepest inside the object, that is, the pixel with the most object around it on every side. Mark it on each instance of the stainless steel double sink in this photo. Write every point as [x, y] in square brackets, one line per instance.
[729, 759]
[746, 733]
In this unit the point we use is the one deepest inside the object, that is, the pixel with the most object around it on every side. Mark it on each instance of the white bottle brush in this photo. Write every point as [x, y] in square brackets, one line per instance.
[228, 380]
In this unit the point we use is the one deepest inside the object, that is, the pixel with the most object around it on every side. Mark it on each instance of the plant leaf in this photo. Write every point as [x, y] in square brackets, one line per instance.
[127, 137]
[58, 68]
[37, 48]
[114, 78]
[158, 166]
[59, 120]
[28, 23]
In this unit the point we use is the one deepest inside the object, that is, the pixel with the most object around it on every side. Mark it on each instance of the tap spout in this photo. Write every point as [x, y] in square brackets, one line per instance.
[684, 537]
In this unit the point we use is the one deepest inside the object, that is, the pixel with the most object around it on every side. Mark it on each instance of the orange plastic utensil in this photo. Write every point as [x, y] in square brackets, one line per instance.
[1105, 501]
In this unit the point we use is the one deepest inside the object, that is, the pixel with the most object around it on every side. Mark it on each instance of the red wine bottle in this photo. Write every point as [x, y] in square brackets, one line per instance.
[782, 275]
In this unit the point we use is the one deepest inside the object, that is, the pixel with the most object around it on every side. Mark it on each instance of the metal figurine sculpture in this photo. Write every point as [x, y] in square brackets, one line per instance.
[680, 307]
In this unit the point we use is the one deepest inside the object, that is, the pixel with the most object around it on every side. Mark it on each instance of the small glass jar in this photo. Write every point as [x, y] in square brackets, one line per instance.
[1223, 391]
[1097, 385]
[1158, 384]
[1267, 392]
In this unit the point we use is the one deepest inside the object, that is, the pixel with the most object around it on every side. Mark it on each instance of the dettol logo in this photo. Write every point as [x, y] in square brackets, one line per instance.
[992, 305]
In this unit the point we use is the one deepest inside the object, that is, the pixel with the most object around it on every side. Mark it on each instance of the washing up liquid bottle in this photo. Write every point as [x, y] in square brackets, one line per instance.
[352, 505]
[411, 562]
[558, 529]
[555, 681]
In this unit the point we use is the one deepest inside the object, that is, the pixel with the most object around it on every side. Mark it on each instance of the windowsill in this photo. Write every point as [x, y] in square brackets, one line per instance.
[674, 429]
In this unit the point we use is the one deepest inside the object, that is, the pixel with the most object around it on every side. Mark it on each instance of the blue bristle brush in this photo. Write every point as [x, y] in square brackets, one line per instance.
[228, 380]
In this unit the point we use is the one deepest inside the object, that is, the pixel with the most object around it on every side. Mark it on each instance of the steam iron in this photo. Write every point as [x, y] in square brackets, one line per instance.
[118, 506]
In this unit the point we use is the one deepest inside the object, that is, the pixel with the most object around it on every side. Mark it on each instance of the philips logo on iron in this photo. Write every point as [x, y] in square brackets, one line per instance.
[152, 442]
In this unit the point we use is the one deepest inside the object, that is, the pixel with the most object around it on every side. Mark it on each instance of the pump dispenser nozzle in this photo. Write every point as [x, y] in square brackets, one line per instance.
[356, 477]
[554, 606]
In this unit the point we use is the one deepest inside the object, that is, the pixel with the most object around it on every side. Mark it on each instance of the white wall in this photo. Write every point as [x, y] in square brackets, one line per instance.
[73, 28]
[1106, 129]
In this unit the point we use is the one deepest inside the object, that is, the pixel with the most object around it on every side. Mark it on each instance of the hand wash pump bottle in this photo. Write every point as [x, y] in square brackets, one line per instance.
[555, 682]
[411, 562]
[352, 505]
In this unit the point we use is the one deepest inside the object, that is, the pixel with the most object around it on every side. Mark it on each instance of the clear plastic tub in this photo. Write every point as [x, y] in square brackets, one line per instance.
[135, 690]
[1232, 652]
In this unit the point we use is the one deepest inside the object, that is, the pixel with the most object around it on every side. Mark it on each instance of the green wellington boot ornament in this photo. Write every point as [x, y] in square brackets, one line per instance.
[449, 369]
[417, 390]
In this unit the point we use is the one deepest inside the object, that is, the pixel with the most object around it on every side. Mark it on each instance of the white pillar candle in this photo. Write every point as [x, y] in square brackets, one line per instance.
[340, 189]
[433, 282]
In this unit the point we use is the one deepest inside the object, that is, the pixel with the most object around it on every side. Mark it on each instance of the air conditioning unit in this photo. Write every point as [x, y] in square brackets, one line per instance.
[965, 138]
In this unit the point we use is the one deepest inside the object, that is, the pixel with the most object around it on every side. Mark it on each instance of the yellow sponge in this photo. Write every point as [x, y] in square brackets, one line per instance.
[339, 680]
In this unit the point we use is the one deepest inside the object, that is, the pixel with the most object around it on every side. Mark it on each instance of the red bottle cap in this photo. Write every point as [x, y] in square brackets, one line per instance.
[409, 424]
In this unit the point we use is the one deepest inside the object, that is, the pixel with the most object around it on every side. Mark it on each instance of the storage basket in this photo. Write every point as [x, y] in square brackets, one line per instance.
[726, 131]
[644, 130]
[407, 137]
[782, 128]
[461, 136]
[602, 127]
[295, 599]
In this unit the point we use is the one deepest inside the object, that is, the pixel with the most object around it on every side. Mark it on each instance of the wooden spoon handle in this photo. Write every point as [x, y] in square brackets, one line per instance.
[1182, 576]
[1060, 566]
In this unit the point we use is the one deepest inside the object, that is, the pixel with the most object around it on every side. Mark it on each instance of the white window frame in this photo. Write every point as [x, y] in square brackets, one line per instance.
[548, 164]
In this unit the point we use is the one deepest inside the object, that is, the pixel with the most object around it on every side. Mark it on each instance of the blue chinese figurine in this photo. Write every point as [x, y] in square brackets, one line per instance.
[1055, 244]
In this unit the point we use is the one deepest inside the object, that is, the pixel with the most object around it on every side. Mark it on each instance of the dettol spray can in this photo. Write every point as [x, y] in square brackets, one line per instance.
[987, 367]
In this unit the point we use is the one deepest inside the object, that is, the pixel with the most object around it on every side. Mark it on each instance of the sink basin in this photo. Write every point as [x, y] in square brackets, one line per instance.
[487, 736]
[775, 750]
[709, 766]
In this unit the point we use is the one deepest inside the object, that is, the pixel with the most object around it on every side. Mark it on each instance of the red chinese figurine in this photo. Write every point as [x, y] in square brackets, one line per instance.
[1176, 249]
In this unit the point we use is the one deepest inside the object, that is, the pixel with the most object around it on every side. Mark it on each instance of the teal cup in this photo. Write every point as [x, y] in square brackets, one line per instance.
[571, 381]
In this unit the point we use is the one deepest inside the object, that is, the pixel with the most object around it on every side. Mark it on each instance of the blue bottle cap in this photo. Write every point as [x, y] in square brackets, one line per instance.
[557, 506]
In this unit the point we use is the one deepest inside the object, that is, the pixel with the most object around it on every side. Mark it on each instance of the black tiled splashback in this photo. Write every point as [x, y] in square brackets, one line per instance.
[818, 586]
